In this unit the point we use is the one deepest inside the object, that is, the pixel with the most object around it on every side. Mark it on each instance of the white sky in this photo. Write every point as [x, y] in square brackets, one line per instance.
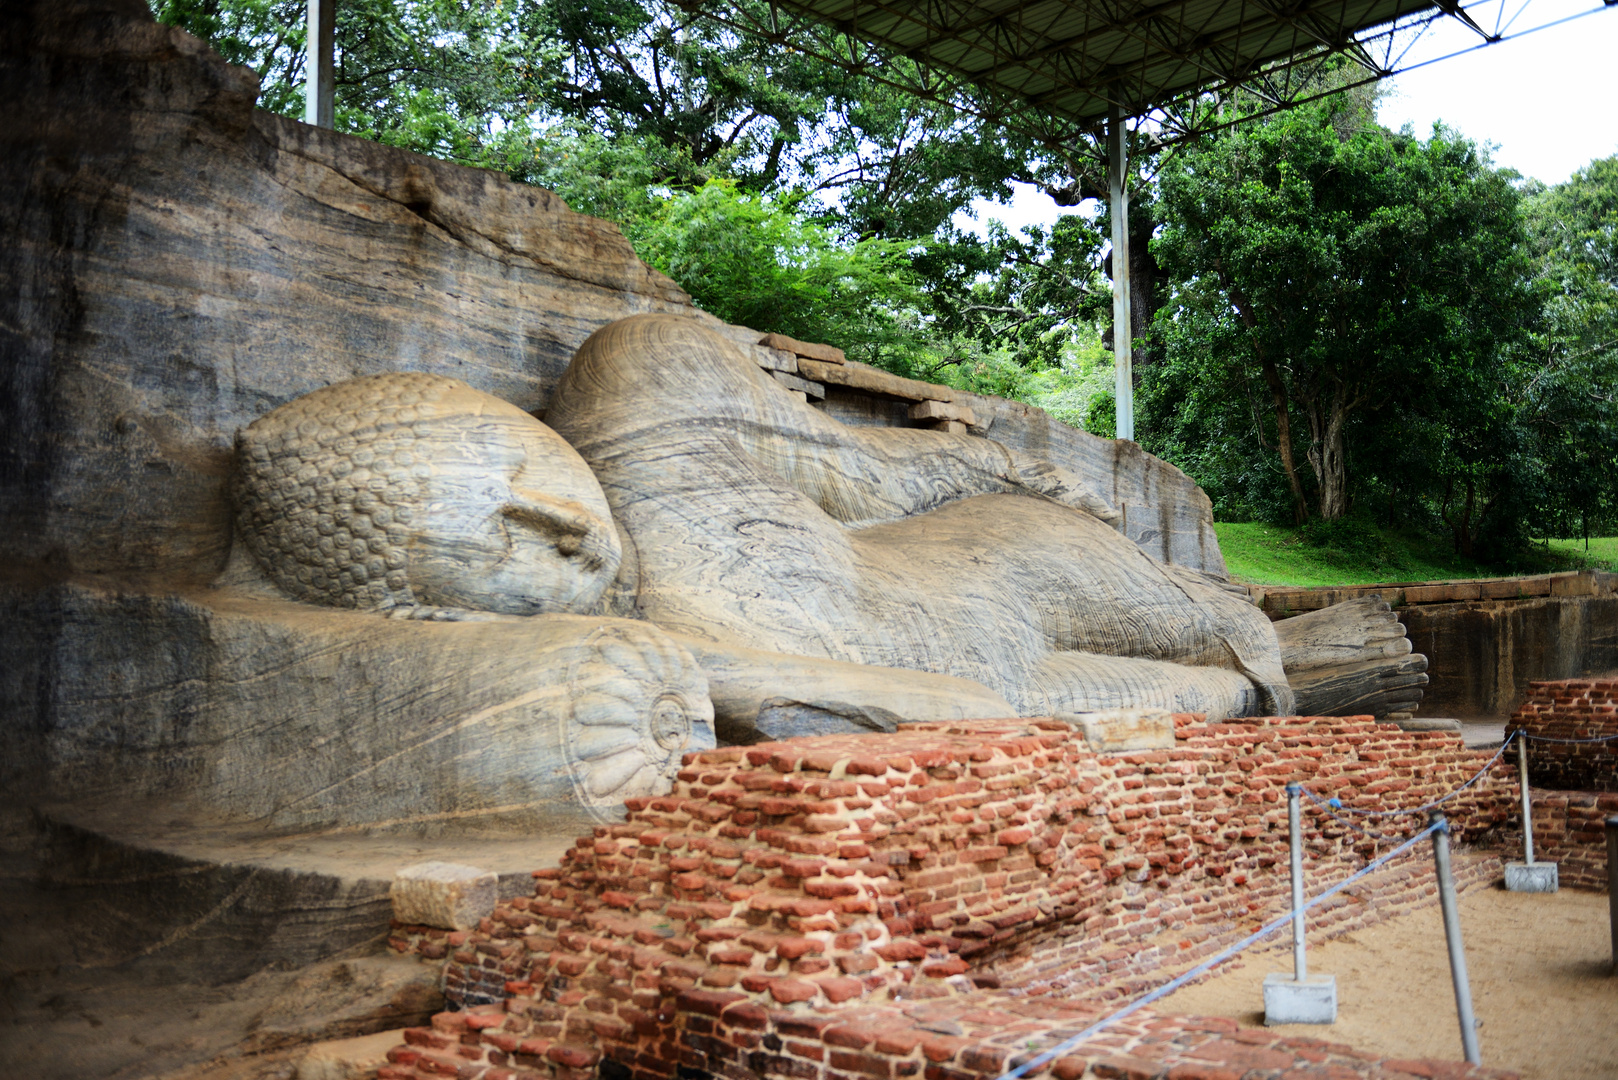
[1548, 100]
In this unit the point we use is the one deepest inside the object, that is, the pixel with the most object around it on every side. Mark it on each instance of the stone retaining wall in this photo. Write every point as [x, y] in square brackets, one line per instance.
[1571, 709]
[945, 865]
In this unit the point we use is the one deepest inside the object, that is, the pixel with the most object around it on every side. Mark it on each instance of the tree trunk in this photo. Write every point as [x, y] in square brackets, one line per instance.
[1283, 439]
[1334, 463]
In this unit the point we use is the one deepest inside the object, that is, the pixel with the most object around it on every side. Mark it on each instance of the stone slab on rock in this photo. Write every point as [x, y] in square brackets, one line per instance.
[1122, 730]
[811, 390]
[450, 896]
[826, 354]
[942, 410]
[872, 380]
[774, 359]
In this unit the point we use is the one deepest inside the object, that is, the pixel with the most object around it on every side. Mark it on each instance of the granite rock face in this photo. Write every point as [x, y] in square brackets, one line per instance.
[178, 264]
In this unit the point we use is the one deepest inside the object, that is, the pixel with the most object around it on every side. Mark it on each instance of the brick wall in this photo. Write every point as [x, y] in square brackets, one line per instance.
[1568, 831]
[944, 865]
[1571, 709]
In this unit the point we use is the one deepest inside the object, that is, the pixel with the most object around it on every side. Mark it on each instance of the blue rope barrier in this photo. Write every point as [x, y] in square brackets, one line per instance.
[1174, 984]
[1325, 808]
[1565, 742]
[1435, 804]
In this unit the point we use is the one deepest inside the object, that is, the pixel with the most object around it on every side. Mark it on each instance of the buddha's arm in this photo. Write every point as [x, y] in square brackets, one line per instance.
[865, 476]
[773, 695]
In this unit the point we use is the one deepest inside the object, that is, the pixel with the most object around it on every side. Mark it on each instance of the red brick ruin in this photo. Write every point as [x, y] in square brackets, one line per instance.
[1580, 778]
[942, 903]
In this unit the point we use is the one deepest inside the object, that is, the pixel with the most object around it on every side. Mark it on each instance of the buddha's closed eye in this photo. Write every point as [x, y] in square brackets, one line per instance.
[567, 521]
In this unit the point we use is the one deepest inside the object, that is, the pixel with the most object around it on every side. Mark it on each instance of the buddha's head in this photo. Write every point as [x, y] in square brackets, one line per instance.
[407, 489]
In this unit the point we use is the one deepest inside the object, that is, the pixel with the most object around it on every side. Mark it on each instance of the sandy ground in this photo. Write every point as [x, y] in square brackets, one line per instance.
[1540, 975]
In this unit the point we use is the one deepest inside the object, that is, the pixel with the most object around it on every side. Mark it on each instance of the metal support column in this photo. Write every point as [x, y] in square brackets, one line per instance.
[1122, 346]
[1452, 937]
[1612, 887]
[320, 79]
[1527, 800]
[1300, 966]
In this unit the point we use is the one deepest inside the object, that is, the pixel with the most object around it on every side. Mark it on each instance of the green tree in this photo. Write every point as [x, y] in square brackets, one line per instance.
[455, 80]
[754, 260]
[1572, 394]
[1331, 273]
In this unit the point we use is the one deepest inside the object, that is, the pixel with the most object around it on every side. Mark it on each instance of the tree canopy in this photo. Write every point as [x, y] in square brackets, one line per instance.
[1335, 323]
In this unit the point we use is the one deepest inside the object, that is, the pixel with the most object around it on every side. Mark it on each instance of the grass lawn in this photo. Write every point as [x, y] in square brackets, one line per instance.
[1272, 555]
[1603, 550]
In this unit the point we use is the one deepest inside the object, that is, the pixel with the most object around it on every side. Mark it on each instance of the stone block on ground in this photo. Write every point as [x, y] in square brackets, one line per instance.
[1288, 1001]
[348, 1059]
[445, 895]
[1407, 722]
[1536, 877]
[1119, 730]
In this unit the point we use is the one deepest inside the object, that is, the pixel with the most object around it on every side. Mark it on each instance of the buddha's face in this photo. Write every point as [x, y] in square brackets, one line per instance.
[514, 520]
[416, 489]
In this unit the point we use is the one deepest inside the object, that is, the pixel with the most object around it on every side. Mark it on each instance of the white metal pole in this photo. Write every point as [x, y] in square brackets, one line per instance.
[1452, 937]
[1527, 804]
[1300, 965]
[320, 82]
[1122, 345]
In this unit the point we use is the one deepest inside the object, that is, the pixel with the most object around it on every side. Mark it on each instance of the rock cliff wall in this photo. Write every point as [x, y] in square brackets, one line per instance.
[180, 262]
[175, 263]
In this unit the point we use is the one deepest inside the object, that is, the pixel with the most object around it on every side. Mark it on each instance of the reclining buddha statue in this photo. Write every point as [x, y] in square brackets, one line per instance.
[822, 576]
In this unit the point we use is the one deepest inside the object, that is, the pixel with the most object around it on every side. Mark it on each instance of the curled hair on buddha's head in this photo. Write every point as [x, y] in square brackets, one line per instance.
[327, 487]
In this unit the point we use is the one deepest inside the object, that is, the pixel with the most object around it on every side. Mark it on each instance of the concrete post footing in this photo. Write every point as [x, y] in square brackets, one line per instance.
[1531, 877]
[1288, 1001]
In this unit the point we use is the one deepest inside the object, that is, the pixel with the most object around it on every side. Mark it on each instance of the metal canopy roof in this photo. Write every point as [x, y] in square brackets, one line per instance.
[1076, 58]
[1054, 69]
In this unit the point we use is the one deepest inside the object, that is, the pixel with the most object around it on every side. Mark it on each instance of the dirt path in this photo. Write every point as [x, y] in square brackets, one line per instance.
[1539, 974]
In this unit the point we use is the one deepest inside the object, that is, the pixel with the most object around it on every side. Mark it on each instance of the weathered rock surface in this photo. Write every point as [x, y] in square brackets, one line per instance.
[178, 263]
[1486, 652]
[759, 522]
[299, 717]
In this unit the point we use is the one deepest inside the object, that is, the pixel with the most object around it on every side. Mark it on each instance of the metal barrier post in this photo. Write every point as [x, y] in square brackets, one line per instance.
[1527, 804]
[1452, 936]
[1300, 999]
[1528, 875]
[1300, 963]
[1612, 887]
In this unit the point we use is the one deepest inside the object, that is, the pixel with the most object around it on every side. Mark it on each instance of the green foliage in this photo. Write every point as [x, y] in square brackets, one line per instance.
[1572, 396]
[1339, 288]
[756, 261]
[630, 108]
[455, 80]
[1598, 552]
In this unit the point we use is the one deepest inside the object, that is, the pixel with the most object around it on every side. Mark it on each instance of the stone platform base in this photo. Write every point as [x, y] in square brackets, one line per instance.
[219, 901]
[1540, 877]
[1288, 1001]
